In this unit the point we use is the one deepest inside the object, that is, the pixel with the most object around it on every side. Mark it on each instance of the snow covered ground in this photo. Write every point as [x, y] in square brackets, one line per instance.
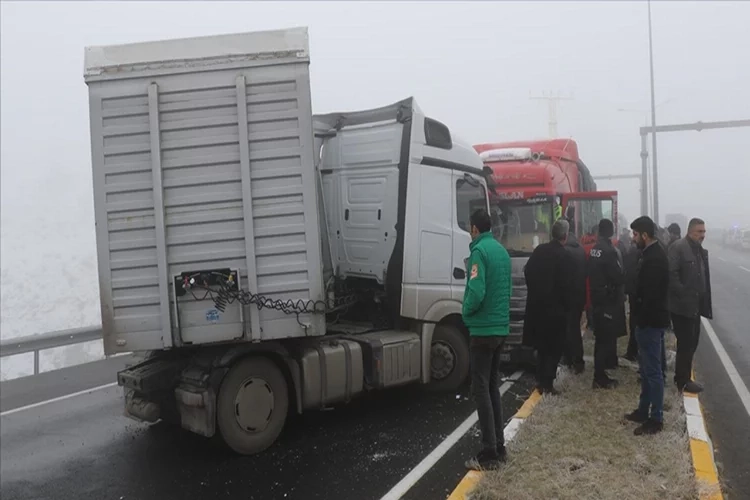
[48, 264]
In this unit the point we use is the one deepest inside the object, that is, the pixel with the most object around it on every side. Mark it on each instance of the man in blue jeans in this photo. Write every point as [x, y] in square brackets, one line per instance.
[652, 319]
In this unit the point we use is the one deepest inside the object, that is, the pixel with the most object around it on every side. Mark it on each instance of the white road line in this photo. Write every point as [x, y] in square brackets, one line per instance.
[745, 269]
[734, 375]
[54, 400]
[430, 460]
[722, 259]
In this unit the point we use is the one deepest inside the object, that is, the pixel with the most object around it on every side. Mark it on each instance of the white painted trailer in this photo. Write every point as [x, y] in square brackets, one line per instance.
[266, 258]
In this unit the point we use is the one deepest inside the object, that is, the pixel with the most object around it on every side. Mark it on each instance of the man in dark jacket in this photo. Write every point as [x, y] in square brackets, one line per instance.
[607, 280]
[574, 342]
[652, 319]
[547, 276]
[689, 299]
[486, 314]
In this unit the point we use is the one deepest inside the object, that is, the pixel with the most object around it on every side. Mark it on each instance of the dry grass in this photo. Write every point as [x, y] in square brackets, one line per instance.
[578, 446]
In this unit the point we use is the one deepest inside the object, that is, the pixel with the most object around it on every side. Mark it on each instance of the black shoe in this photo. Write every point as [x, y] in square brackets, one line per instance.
[648, 427]
[485, 459]
[692, 387]
[547, 390]
[607, 383]
[502, 453]
[632, 359]
[637, 417]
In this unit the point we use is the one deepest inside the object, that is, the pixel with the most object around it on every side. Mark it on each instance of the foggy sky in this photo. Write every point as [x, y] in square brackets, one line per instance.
[470, 65]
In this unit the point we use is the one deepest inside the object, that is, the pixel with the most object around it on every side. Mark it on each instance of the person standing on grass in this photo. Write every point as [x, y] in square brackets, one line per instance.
[652, 319]
[607, 282]
[486, 313]
[548, 303]
[689, 299]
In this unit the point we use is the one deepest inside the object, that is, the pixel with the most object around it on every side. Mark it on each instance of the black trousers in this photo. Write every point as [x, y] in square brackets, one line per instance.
[548, 358]
[687, 330]
[485, 388]
[574, 342]
[605, 348]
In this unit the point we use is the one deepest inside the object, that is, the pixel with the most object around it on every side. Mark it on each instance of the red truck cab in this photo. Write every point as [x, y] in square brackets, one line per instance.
[536, 183]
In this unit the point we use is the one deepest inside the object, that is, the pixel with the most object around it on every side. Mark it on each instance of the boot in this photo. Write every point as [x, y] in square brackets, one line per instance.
[484, 460]
[637, 417]
[604, 383]
[649, 427]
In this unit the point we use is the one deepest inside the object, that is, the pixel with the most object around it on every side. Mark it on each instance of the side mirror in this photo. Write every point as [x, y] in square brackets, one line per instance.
[489, 178]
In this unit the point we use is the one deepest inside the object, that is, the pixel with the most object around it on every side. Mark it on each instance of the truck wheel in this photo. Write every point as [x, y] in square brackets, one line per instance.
[252, 405]
[449, 359]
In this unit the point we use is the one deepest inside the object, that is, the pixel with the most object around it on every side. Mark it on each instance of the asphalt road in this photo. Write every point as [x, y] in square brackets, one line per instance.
[727, 419]
[82, 447]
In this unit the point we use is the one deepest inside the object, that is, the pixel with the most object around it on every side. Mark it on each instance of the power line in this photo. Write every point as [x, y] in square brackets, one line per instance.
[552, 100]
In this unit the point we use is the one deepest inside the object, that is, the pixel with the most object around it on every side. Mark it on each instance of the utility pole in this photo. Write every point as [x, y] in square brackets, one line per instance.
[655, 172]
[552, 100]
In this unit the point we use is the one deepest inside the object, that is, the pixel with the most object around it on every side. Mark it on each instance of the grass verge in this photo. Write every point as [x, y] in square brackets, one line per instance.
[579, 446]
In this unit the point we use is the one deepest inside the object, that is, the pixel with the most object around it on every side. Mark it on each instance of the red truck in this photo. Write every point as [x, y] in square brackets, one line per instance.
[537, 182]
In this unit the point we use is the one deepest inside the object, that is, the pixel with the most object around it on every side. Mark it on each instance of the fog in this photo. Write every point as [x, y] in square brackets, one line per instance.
[471, 65]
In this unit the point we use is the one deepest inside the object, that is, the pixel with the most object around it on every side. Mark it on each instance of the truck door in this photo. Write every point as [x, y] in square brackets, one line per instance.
[585, 210]
[469, 194]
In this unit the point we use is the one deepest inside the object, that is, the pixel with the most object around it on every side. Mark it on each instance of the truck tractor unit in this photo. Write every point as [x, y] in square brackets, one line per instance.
[538, 182]
[263, 259]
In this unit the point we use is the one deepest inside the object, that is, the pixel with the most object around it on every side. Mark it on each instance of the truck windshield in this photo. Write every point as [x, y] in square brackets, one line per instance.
[521, 225]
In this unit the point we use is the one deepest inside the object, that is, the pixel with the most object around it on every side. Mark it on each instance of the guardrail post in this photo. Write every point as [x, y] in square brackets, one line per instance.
[36, 362]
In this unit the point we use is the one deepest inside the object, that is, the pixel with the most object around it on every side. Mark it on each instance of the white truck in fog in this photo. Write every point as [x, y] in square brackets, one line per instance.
[265, 259]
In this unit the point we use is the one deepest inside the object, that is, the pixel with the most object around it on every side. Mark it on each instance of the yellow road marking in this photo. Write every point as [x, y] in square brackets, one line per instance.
[703, 459]
[471, 478]
[466, 485]
[705, 470]
[529, 405]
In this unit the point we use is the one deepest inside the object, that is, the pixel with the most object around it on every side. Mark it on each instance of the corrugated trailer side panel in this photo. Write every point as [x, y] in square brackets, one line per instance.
[200, 167]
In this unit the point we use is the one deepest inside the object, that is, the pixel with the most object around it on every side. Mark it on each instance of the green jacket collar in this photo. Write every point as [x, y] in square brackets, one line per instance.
[480, 238]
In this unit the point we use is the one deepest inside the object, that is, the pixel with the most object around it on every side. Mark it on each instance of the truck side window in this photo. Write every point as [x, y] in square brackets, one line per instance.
[468, 199]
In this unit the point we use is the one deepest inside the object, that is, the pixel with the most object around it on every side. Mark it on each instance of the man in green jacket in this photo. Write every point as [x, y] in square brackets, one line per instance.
[486, 313]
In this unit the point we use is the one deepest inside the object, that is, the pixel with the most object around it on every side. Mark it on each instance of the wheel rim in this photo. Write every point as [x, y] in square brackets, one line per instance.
[442, 360]
[253, 405]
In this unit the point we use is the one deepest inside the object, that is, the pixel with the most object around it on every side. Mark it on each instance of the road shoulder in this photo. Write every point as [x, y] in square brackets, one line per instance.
[654, 462]
[26, 391]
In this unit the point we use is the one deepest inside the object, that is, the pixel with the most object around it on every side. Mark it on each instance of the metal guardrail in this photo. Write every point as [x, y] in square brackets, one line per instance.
[36, 343]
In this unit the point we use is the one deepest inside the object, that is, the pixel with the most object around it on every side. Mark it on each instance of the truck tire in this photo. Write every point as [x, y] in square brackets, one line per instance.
[449, 359]
[252, 405]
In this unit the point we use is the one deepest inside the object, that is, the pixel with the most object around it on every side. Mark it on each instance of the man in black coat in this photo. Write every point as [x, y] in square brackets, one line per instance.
[689, 299]
[547, 304]
[574, 341]
[607, 280]
[652, 319]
